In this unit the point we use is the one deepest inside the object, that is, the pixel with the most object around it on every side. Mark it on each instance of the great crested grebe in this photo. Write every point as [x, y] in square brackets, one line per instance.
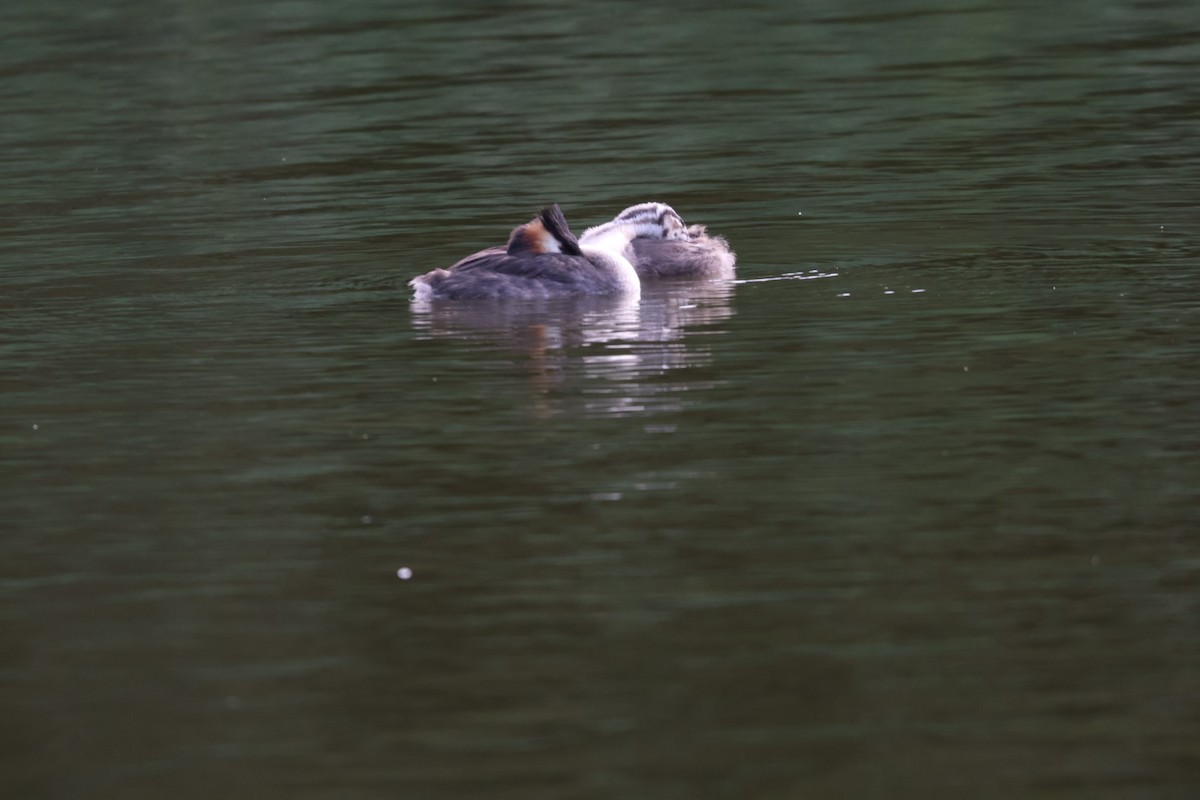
[690, 252]
[544, 259]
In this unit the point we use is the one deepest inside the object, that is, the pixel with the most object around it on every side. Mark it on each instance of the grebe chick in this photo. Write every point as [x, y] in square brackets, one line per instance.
[544, 259]
[693, 254]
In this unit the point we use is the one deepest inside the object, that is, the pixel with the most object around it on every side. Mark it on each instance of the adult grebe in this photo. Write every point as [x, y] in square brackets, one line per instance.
[544, 259]
[690, 252]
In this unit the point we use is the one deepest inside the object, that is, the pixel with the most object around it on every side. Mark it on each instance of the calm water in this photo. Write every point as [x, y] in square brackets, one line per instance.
[910, 511]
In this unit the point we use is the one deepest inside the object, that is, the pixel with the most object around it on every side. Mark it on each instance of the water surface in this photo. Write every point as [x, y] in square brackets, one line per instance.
[908, 511]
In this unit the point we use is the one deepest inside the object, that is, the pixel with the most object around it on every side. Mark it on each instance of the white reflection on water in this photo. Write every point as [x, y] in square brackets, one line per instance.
[812, 274]
[622, 349]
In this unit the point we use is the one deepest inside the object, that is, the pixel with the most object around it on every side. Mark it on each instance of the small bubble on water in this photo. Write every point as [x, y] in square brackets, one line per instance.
[35, 427]
[366, 519]
[404, 573]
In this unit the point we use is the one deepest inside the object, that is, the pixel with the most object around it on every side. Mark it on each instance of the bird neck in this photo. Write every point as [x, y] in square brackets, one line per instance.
[618, 233]
[605, 245]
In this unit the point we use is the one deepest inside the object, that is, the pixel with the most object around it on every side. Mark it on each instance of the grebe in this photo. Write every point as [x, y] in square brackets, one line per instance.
[544, 259]
[689, 252]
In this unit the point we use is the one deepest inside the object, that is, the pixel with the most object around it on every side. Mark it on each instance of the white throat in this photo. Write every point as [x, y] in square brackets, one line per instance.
[606, 244]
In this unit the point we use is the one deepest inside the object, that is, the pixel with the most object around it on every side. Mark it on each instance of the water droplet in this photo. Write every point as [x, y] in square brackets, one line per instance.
[404, 573]
[366, 519]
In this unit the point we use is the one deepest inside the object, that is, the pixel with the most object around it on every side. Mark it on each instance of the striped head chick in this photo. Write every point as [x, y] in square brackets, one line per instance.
[649, 220]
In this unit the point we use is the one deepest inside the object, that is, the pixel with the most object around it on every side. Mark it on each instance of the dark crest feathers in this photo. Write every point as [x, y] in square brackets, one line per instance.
[554, 221]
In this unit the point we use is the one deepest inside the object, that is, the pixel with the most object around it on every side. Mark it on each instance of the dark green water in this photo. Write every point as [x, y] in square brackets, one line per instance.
[922, 524]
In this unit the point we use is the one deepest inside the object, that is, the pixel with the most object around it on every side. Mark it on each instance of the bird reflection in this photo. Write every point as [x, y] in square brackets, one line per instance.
[602, 356]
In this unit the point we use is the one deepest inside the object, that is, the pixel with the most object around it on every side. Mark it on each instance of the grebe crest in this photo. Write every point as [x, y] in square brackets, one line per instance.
[546, 233]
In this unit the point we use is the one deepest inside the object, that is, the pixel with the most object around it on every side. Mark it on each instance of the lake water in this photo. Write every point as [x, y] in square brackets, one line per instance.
[908, 511]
